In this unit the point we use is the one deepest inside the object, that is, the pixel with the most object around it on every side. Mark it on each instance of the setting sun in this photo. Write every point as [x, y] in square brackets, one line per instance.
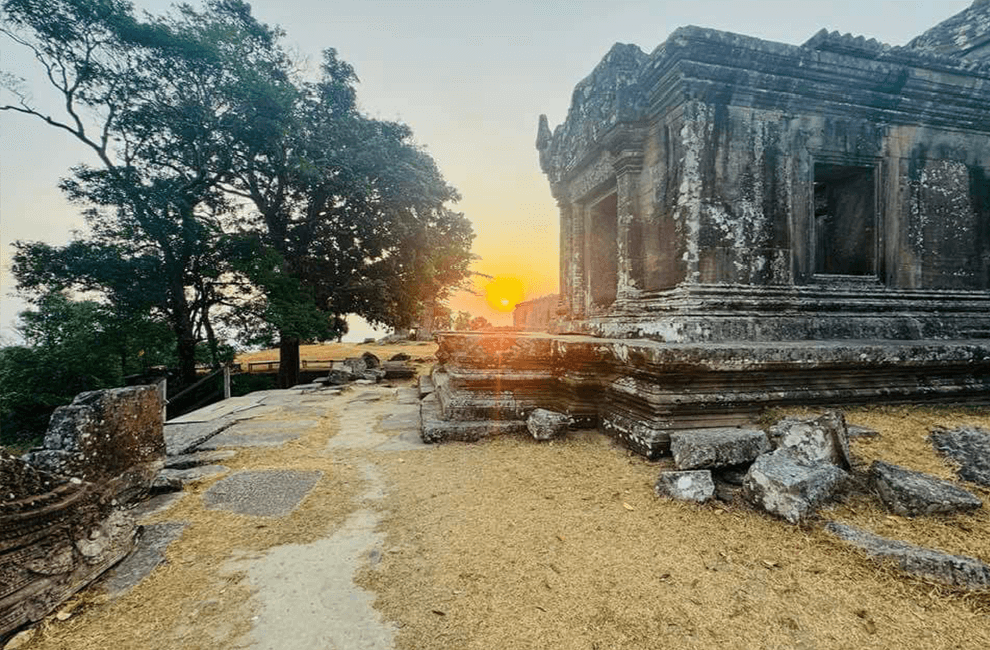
[503, 293]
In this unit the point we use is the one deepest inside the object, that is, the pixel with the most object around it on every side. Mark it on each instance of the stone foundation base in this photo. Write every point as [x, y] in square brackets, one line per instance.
[640, 390]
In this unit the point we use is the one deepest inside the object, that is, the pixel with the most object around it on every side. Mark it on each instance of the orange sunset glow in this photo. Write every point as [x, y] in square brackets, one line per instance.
[504, 293]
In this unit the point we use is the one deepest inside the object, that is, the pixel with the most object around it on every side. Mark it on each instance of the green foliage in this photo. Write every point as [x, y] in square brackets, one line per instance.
[71, 347]
[197, 114]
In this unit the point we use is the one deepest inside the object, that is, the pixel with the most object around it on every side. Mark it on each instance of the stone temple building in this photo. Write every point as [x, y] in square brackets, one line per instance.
[746, 223]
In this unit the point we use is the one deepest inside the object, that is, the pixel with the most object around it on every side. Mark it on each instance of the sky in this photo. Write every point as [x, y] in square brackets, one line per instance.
[471, 79]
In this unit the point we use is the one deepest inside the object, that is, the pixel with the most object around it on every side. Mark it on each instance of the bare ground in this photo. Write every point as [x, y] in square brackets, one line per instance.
[513, 544]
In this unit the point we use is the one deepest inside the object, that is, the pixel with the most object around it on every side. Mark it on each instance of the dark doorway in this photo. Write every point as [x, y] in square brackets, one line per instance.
[602, 252]
[845, 230]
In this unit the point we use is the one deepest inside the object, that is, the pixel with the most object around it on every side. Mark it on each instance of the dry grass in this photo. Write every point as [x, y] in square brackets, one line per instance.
[415, 349]
[511, 544]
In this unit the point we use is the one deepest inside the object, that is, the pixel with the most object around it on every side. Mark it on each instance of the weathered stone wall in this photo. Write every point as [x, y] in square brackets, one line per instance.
[764, 191]
[111, 437]
[56, 535]
[535, 315]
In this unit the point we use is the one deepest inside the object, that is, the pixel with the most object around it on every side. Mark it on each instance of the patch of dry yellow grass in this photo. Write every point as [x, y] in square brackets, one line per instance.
[321, 351]
[511, 544]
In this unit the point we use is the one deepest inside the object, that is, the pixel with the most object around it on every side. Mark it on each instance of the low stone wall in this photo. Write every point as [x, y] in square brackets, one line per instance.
[640, 390]
[61, 522]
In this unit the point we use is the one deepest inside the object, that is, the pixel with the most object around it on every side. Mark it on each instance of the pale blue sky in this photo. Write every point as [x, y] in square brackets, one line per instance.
[471, 79]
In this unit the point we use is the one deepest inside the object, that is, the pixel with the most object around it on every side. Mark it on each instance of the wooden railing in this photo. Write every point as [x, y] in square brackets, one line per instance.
[305, 364]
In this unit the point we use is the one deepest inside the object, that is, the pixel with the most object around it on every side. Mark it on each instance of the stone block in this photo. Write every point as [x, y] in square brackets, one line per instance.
[910, 493]
[371, 361]
[543, 424]
[818, 439]
[711, 448]
[57, 535]
[692, 485]
[785, 484]
[112, 436]
[398, 370]
[955, 570]
[339, 377]
[969, 448]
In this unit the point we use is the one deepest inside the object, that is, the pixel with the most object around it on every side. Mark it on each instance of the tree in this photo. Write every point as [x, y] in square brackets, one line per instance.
[351, 216]
[152, 101]
[71, 347]
[462, 321]
[479, 323]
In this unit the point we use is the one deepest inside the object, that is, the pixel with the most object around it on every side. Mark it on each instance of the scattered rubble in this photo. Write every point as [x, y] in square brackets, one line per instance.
[691, 485]
[822, 439]
[785, 484]
[909, 493]
[711, 448]
[546, 425]
[970, 448]
[955, 570]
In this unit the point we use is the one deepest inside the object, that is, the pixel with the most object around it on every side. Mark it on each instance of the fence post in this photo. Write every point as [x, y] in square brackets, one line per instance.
[163, 393]
[226, 382]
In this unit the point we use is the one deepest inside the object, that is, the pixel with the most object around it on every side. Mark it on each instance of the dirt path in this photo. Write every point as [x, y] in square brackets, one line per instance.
[513, 544]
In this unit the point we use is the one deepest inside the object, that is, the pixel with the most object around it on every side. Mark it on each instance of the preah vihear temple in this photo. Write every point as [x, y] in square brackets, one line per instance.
[746, 224]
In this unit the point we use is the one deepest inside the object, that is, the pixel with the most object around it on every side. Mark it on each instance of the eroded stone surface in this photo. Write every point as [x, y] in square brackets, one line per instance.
[911, 493]
[711, 448]
[262, 493]
[195, 459]
[817, 439]
[112, 437]
[693, 485]
[148, 553]
[784, 484]
[57, 535]
[543, 424]
[970, 448]
[956, 570]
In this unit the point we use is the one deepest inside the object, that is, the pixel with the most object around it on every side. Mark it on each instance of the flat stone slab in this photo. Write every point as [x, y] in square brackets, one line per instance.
[154, 505]
[710, 448]
[148, 553]
[955, 570]
[857, 431]
[784, 484]
[970, 448]
[262, 493]
[909, 493]
[258, 433]
[182, 439]
[195, 459]
[219, 409]
[691, 485]
[193, 473]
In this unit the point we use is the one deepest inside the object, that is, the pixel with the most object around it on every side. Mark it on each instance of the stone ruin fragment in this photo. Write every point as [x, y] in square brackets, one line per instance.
[747, 224]
[62, 516]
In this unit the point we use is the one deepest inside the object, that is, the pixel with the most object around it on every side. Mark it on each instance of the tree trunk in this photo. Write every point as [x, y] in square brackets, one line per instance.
[288, 362]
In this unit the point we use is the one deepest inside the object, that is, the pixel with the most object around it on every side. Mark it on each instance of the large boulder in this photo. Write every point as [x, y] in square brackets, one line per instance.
[785, 484]
[721, 447]
[956, 570]
[691, 485]
[818, 439]
[969, 448]
[546, 425]
[911, 493]
[110, 437]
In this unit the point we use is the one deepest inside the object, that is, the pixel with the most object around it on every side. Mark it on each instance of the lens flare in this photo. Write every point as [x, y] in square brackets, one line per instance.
[504, 293]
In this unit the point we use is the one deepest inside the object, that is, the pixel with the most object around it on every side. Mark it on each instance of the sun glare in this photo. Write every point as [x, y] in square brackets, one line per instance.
[503, 294]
